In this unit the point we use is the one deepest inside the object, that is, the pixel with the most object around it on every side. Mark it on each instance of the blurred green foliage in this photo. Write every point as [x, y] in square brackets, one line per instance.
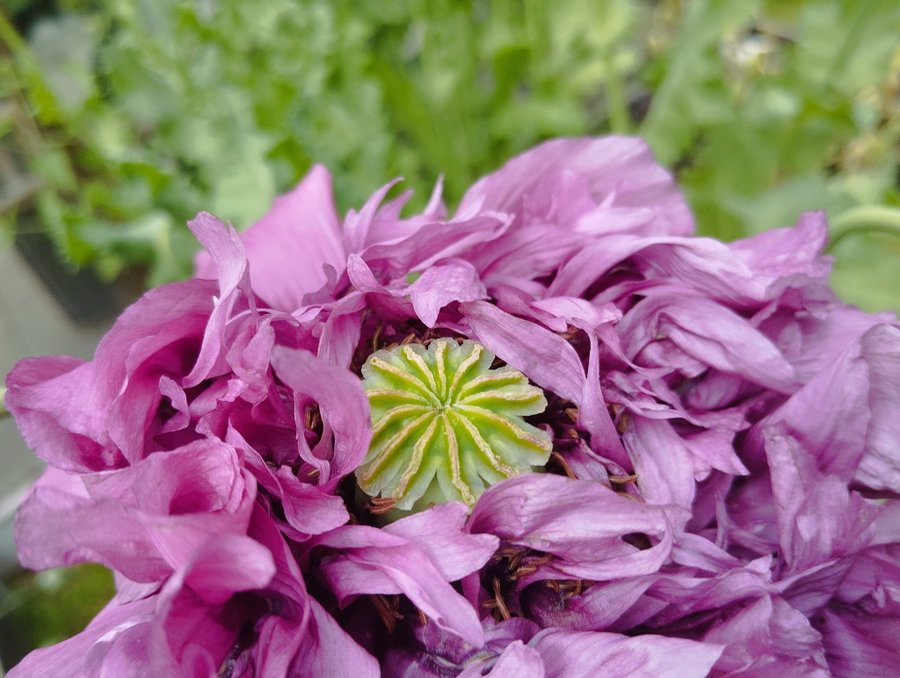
[38, 609]
[129, 116]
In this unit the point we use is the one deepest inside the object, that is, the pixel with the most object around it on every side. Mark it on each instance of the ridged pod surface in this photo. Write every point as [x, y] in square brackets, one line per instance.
[446, 425]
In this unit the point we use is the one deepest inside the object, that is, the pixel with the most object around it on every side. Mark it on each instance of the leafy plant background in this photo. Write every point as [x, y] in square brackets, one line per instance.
[120, 119]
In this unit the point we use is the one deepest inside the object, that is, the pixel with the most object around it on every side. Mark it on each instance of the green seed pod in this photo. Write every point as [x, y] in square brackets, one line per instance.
[446, 425]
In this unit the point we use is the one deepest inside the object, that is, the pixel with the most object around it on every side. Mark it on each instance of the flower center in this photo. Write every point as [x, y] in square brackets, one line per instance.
[445, 425]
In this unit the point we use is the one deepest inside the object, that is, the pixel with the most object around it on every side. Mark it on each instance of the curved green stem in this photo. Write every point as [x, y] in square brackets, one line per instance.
[865, 219]
[3, 411]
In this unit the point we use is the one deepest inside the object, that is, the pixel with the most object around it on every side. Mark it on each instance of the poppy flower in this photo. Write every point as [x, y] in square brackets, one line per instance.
[553, 434]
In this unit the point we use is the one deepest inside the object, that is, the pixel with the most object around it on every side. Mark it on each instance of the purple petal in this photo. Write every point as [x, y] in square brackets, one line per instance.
[227, 251]
[290, 246]
[544, 357]
[561, 516]
[662, 462]
[439, 533]
[439, 285]
[516, 661]
[307, 508]
[880, 464]
[711, 334]
[859, 643]
[75, 415]
[432, 243]
[571, 653]
[342, 402]
[373, 561]
[228, 564]
[144, 525]
[191, 627]
[818, 518]
[327, 650]
[357, 225]
[60, 410]
[768, 636]
[618, 169]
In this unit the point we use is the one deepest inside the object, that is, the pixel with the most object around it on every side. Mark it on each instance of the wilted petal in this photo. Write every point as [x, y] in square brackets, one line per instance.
[618, 169]
[373, 561]
[711, 334]
[342, 403]
[550, 362]
[439, 285]
[544, 357]
[818, 517]
[573, 653]
[328, 650]
[516, 661]
[859, 644]
[288, 248]
[60, 408]
[227, 251]
[768, 635]
[880, 464]
[558, 515]
[308, 509]
[192, 624]
[433, 242]
[146, 533]
[439, 533]
[662, 462]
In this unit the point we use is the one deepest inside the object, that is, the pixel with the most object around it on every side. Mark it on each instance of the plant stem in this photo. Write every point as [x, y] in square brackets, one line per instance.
[865, 219]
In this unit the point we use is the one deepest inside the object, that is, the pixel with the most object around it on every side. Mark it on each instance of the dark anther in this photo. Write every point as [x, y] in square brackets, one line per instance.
[501, 604]
[387, 611]
[622, 480]
[561, 460]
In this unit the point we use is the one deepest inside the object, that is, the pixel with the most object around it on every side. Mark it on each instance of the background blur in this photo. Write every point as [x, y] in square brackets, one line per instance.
[120, 119]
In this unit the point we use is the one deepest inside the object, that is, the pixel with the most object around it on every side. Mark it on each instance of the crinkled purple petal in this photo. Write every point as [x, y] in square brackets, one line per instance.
[192, 624]
[306, 508]
[549, 361]
[768, 637]
[516, 661]
[439, 285]
[558, 515]
[574, 653]
[620, 170]
[544, 357]
[711, 334]
[288, 248]
[662, 461]
[432, 243]
[60, 410]
[227, 251]
[880, 464]
[818, 518]
[439, 533]
[342, 402]
[859, 644]
[369, 560]
[357, 224]
[328, 650]
[146, 533]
